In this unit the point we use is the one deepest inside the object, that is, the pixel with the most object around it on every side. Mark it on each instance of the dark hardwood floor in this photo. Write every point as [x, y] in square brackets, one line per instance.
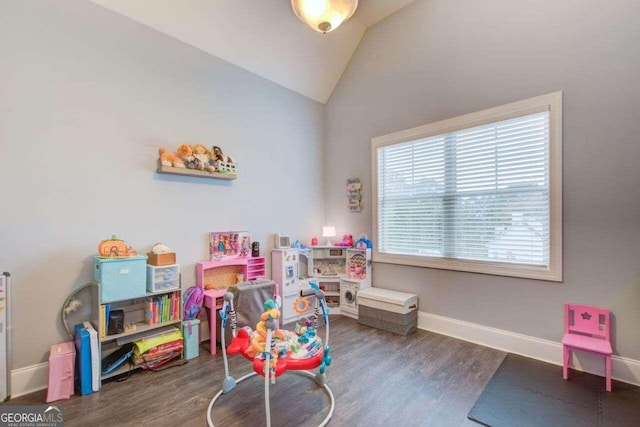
[377, 378]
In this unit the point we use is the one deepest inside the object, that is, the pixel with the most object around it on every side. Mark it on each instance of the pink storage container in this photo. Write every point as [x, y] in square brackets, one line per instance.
[61, 364]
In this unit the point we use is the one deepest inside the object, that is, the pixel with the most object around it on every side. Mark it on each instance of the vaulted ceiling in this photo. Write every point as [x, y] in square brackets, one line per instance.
[262, 36]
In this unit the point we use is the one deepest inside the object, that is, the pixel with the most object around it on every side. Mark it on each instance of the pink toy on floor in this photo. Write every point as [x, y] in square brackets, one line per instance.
[61, 371]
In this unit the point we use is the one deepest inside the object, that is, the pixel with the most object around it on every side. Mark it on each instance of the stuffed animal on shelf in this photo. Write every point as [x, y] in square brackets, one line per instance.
[202, 155]
[222, 163]
[186, 155]
[170, 159]
[217, 154]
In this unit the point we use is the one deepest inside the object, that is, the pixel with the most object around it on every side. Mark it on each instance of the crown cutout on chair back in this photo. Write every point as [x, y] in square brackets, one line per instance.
[590, 321]
[586, 329]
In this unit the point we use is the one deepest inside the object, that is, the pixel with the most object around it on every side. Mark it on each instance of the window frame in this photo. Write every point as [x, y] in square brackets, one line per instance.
[551, 102]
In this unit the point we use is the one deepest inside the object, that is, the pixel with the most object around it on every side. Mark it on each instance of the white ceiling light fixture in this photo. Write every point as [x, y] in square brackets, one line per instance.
[324, 15]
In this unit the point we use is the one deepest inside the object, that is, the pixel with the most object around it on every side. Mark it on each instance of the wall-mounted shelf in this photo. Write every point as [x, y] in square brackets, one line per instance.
[194, 172]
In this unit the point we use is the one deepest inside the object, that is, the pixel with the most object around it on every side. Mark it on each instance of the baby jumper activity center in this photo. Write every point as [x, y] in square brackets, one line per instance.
[274, 351]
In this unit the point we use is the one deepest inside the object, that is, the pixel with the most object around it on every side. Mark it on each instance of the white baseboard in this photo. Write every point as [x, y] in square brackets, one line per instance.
[33, 378]
[622, 368]
[29, 379]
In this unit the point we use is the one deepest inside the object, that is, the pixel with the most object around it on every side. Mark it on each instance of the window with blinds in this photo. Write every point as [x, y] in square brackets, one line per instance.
[476, 193]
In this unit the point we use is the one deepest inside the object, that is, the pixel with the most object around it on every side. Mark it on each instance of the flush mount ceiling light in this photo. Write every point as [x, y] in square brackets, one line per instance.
[324, 15]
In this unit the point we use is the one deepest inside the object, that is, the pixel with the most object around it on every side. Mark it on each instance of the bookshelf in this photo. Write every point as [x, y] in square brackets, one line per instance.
[136, 312]
[141, 316]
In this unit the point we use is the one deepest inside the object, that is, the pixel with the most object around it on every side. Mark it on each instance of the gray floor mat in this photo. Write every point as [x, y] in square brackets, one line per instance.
[527, 392]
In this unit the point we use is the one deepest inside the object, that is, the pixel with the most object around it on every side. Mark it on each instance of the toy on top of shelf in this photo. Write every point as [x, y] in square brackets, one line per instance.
[219, 155]
[197, 160]
[298, 245]
[115, 248]
[170, 159]
[363, 242]
[314, 241]
[159, 248]
[347, 241]
[229, 244]
[281, 241]
[244, 246]
[203, 158]
[161, 255]
[185, 152]
[221, 162]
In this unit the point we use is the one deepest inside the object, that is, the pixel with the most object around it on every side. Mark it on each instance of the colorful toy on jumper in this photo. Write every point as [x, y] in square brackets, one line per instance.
[274, 351]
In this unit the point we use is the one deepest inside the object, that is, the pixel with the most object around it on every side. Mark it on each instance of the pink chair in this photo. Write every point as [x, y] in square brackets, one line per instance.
[586, 328]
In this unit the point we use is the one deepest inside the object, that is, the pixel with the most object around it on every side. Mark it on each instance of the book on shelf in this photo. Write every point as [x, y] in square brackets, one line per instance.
[163, 308]
[103, 321]
[107, 311]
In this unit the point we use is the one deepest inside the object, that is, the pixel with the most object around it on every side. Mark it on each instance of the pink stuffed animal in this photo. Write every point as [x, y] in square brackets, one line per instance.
[347, 241]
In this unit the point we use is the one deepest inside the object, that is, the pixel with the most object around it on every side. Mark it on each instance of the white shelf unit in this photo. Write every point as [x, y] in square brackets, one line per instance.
[134, 312]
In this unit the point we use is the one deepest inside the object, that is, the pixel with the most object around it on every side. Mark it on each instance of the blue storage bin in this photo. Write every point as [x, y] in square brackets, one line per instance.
[191, 334]
[121, 278]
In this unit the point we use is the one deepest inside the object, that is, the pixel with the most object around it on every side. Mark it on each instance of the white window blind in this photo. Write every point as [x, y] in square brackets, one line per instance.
[479, 194]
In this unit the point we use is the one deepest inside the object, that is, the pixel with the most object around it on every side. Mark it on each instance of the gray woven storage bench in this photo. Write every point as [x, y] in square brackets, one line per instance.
[388, 310]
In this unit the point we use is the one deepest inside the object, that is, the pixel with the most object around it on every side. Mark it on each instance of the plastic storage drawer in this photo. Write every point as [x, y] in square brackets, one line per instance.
[120, 278]
[162, 279]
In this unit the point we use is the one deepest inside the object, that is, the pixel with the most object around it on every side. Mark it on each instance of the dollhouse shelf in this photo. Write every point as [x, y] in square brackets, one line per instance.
[193, 172]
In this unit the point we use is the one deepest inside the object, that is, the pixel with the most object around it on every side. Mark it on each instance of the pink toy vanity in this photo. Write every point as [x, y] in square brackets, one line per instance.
[222, 274]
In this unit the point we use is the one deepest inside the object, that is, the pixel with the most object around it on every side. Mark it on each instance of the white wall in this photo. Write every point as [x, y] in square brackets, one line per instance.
[438, 59]
[86, 99]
